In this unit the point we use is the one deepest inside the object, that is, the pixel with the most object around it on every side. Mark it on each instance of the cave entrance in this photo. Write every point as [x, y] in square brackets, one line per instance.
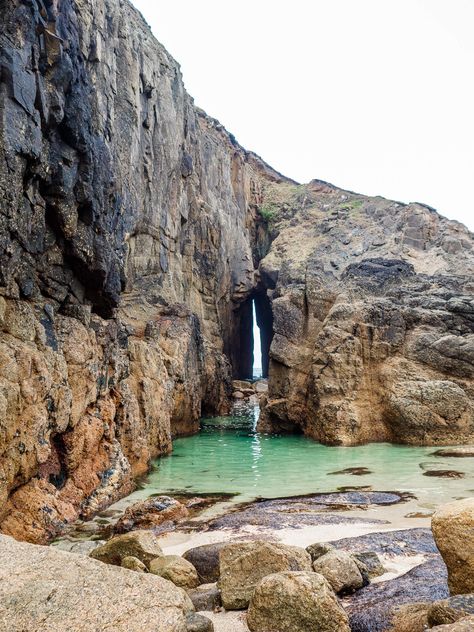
[251, 352]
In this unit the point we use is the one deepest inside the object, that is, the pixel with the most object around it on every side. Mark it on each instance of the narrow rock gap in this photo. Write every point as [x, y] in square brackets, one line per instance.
[242, 354]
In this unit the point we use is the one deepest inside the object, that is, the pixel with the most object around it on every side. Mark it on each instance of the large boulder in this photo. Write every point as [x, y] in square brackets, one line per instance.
[453, 530]
[140, 544]
[158, 511]
[244, 564]
[295, 602]
[48, 590]
[341, 571]
[205, 559]
[175, 568]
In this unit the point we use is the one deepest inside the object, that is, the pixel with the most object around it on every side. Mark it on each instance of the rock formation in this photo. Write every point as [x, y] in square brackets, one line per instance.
[373, 319]
[127, 217]
[135, 233]
[44, 589]
[453, 530]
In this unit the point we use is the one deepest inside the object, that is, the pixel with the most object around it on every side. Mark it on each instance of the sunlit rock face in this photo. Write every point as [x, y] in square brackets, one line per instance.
[127, 217]
[134, 233]
[373, 312]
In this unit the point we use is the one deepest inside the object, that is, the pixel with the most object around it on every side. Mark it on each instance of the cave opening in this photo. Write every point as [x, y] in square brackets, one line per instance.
[251, 349]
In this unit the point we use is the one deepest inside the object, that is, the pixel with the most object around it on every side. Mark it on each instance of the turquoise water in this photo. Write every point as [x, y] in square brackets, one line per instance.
[229, 456]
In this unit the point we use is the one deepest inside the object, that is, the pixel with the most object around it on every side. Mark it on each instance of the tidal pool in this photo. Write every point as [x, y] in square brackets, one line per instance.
[229, 456]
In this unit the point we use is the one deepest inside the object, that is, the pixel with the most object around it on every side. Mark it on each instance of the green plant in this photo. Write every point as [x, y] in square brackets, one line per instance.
[268, 211]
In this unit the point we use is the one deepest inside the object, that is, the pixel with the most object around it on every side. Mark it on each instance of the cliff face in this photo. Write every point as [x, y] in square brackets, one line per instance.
[132, 229]
[373, 307]
[127, 218]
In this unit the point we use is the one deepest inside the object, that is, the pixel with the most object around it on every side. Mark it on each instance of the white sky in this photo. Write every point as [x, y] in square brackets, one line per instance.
[376, 96]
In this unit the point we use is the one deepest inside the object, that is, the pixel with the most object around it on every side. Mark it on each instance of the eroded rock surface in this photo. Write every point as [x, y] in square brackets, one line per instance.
[126, 222]
[453, 530]
[44, 589]
[373, 319]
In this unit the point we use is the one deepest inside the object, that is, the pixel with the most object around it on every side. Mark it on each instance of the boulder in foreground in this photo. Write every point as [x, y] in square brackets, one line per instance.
[453, 531]
[295, 602]
[244, 564]
[43, 588]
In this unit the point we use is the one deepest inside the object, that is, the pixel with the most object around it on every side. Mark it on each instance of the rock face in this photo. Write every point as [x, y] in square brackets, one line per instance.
[135, 233]
[126, 222]
[244, 564]
[373, 319]
[295, 602]
[453, 530]
[44, 589]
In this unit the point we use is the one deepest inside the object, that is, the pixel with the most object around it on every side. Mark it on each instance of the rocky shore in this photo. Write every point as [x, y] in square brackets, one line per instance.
[384, 581]
[136, 235]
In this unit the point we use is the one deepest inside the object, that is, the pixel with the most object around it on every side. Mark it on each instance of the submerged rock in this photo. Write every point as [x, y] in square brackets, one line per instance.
[461, 452]
[295, 602]
[355, 471]
[42, 588]
[453, 530]
[140, 544]
[244, 564]
[444, 473]
[175, 568]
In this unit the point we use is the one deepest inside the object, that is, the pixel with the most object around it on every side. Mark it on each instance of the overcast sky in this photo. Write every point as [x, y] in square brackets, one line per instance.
[376, 96]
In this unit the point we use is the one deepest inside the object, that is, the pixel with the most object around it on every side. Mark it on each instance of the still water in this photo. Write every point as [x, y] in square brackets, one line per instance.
[229, 456]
